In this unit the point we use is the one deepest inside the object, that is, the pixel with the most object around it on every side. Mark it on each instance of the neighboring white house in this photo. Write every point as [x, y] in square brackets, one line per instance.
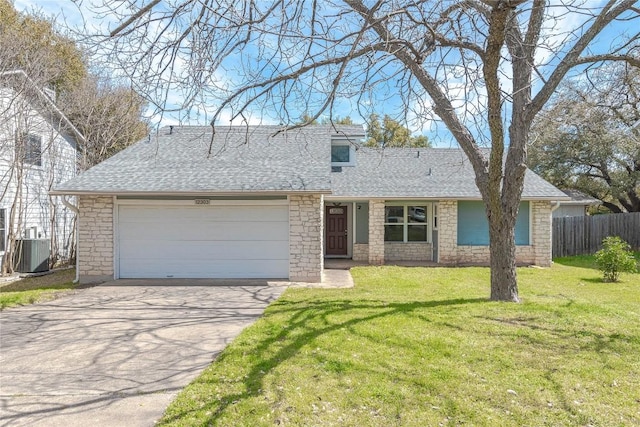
[577, 206]
[37, 152]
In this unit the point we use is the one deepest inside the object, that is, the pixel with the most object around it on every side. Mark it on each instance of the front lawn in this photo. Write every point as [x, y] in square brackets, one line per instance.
[424, 347]
[36, 289]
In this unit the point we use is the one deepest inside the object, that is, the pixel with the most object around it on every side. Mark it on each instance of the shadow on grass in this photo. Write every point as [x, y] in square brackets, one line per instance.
[594, 342]
[302, 324]
[580, 261]
[18, 287]
[585, 261]
[597, 280]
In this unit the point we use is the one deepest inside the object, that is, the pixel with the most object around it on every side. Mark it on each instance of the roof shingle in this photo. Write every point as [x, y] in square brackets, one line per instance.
[243, 159]
[437, 173]
[259, 159]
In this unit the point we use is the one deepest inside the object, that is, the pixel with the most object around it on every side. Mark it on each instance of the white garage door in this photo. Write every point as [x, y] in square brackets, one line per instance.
[219, 241]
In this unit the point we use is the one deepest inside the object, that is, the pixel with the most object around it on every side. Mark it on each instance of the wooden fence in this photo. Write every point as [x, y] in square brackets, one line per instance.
[580, 235]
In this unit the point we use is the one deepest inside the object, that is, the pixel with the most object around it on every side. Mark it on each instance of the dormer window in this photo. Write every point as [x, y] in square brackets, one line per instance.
[342, 152]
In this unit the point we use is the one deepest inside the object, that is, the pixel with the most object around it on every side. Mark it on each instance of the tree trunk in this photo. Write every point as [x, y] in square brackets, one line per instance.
[504, 285]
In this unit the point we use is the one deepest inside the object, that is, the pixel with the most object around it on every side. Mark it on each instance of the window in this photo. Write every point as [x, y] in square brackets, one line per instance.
[3, 229]
[473, 227]
[435, 217]
[405, 223]
[29, 149]
[362, 222]
[342, 152]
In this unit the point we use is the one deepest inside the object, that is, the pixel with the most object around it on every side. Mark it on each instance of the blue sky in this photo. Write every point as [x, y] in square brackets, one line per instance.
[76, 14]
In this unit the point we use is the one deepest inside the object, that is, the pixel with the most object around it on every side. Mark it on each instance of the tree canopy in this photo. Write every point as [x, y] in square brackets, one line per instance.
[387, 132]
[107, 113]
[589, 137]
[32, 44]
[482, 68]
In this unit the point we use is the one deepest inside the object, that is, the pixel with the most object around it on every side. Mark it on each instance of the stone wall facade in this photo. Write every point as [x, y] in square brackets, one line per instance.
[95, 247]
[306, 235]
[376, 232]
[360, 252]
[448, 231]
[541, 232]
[538, 252]
[409, 251]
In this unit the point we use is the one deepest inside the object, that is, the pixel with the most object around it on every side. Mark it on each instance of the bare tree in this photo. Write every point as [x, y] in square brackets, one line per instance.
[37, 65]
[107, 114]
[484, 68]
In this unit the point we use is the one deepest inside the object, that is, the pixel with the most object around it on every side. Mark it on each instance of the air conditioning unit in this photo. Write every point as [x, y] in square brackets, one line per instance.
[32, 255]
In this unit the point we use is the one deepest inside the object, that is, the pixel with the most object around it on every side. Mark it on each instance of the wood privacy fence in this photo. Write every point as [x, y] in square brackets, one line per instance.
[580, 235]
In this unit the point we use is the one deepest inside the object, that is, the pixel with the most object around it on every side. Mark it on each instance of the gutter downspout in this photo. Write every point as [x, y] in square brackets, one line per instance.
[77, 212]
[554, 206]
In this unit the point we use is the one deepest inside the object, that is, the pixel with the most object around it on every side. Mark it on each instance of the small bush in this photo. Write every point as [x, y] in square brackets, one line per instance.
[615, 257]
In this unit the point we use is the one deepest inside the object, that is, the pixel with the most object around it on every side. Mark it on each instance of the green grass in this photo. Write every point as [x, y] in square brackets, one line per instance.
[586, 261]
[423, 347]
[36, 289]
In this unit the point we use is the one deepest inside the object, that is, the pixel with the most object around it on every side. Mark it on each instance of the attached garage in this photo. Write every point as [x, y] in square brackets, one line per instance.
[215, 239]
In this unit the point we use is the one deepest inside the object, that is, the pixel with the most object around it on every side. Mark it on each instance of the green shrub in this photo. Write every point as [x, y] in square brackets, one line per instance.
[615, 257]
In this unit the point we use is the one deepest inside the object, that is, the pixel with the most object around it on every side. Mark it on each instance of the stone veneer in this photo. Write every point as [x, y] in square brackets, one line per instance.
[376, 232]
[95, 248]
[538, 252]
[306, 230]
[409, 251]
[360, 252]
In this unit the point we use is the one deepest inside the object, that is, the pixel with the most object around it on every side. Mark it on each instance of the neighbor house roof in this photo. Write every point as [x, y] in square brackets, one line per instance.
[441, 173]
[242, 159]
[258, 159]
[20, 81]
[579, 198]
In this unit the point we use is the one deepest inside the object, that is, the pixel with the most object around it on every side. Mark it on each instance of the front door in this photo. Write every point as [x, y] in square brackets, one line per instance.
[336, 230]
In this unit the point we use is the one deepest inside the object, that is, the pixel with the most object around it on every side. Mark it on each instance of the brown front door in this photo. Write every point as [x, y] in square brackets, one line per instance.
[336, 230]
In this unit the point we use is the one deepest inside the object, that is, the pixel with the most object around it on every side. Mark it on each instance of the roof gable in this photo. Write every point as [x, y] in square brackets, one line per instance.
[19, 81]
[236, 159]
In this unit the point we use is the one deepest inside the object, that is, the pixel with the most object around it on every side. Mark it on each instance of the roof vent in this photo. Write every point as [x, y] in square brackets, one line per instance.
[336, 168]
[170, 130]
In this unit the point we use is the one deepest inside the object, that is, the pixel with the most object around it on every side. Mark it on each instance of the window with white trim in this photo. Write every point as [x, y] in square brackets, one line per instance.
[405, 223]
[342, 152]
[29, 149]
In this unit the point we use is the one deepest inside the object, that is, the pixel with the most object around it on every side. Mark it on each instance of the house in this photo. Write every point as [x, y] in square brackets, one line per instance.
[577, 205]
[37, 152]
[258, 202]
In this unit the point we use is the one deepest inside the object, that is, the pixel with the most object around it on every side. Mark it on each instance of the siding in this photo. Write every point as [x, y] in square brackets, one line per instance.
[569, 210]
[58, 165]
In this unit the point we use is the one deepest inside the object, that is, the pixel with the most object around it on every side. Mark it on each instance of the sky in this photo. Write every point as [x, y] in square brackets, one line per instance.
[76, 14]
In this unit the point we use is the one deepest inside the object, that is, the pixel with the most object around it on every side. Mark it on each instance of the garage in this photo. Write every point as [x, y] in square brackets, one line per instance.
[211, 239]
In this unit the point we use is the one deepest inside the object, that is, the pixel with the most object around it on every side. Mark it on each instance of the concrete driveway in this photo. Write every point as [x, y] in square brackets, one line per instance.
[118, 353]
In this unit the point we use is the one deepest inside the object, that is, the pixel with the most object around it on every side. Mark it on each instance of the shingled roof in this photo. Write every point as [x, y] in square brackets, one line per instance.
[260, 159]
[441, 173]
[243, 159]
